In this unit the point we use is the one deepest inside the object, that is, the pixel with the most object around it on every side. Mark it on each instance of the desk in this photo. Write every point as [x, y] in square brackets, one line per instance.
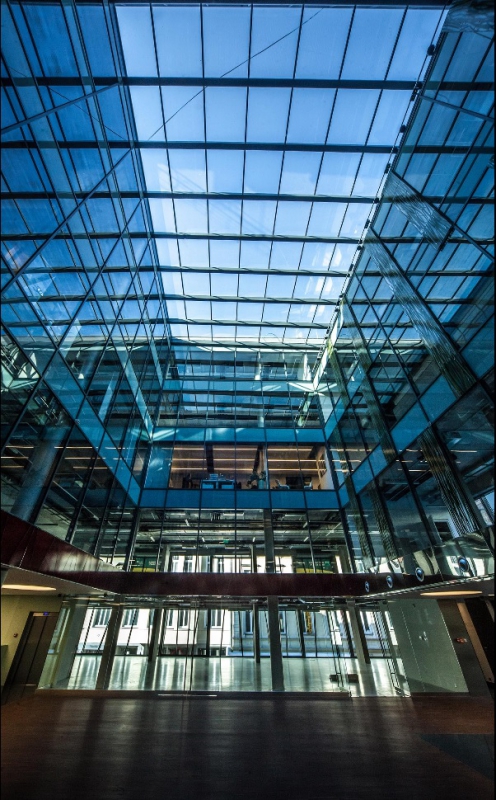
[217, 483]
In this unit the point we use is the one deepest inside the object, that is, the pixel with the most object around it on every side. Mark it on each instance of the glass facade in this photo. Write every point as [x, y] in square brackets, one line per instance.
[247, 308]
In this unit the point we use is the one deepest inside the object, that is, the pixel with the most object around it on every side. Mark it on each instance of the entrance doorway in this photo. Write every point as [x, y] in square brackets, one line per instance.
[27, 666]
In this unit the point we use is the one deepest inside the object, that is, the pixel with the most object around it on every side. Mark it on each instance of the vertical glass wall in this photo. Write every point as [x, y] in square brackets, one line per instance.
[184, 647]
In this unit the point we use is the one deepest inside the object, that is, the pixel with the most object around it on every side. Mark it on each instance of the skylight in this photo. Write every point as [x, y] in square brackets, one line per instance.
[264, 134]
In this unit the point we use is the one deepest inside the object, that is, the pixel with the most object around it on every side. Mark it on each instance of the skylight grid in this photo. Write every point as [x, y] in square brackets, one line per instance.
[285, 153]
[263, 140]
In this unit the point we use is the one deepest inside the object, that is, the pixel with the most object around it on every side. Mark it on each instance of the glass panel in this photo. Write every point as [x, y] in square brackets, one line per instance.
[371, 43]
[226, 33]
[322, 42]
[135, 26]
[178, 36]
[274, 38]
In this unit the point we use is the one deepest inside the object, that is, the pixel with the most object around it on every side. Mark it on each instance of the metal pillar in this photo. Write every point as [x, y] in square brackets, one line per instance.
[43, 459]
[256, 633]
[344, 558]
[276, 669]
[361, 649]
[270, 565]
[347, 631]
[253, 558]
[76, 614]
[132, 540]
[392, 649]
[164, 559]
[256, 621]
[301, 629]
[209, 617]
[156, 636]
[209, 628]
[107, 662]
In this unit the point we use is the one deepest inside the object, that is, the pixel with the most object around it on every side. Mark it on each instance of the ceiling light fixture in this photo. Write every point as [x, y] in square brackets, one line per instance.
[28, 588]
[449, 594]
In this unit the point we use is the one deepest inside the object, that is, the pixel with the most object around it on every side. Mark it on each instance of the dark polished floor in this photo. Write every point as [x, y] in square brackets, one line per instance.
[143, 746]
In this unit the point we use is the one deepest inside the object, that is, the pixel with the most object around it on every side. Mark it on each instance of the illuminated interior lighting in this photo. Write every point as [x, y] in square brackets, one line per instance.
[450, 594]
[28, 588]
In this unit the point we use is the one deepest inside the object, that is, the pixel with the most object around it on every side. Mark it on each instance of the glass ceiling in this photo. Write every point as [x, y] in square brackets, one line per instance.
[264, 134]
[252, 142]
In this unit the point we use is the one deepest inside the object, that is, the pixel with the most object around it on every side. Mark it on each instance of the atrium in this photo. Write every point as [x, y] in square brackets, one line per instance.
[247, 359]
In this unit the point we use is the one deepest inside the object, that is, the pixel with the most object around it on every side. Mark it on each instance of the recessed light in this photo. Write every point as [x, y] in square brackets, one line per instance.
[448, 594]
[27, 588]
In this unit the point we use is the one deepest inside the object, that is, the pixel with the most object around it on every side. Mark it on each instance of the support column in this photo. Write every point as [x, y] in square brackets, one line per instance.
[154, 648]
[209, 618]
[37, 475]
[164, 559]
[209, 626]
[275, 644]
[270, 563]
[344, 558]
[392, 650]
[361, 648]
[347, 631]
[76, 614]
[301, 629]
[256, 633]
[5, 572]
[253, 558]
[156, 635]
[107, 662]
[132, 540]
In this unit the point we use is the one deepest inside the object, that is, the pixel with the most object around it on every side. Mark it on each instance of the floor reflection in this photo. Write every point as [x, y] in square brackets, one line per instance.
[238, 675]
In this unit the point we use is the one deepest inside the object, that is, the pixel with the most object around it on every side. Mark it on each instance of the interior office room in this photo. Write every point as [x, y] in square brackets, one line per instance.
[247, 381]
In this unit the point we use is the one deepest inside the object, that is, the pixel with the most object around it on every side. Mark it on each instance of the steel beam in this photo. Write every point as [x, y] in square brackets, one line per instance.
[29, 120]
[48, 238]
[299, 198]
[146, 144]
[201, 81]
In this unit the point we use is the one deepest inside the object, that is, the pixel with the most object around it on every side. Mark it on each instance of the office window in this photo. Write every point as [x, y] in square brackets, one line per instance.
[217, 617]
[183, 618]
[101, 617]
[188, 564]
[248, 620]
[175, 564]
[130, 617]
